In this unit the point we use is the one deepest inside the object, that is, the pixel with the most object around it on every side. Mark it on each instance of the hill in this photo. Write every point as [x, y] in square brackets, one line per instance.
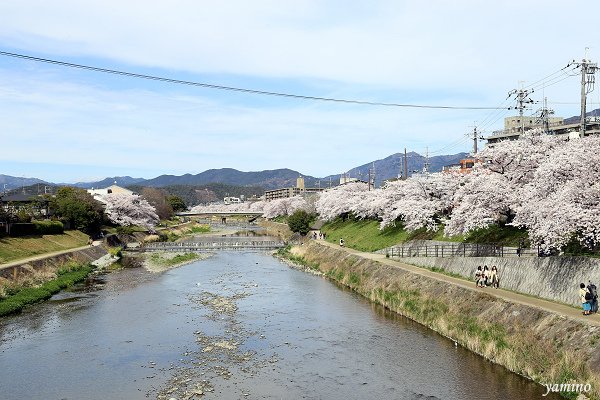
[385, 168]
[391, 166]
[268, 179]
[577, 118]
[8, 182]
[118, 180]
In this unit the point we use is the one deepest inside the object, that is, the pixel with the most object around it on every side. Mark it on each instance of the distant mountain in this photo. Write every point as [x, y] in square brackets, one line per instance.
[575, 119]
[268, 179]
[193, 195]
[119, 180]
[386, 168]
[391, 166]
[13, 182]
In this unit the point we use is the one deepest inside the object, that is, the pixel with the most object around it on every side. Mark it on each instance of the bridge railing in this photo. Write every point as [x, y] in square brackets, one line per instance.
[212, 245]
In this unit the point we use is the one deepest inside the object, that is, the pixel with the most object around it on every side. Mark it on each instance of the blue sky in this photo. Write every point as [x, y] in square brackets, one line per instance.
[67, 125]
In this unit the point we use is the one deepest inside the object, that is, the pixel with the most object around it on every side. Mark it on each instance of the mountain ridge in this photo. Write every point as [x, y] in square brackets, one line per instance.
[385, 168]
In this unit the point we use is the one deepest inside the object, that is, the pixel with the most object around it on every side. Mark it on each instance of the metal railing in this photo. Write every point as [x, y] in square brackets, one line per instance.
[212, 245]
[459, 250]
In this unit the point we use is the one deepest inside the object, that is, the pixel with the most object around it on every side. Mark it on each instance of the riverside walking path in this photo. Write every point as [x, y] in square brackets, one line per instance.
[22, 261]
[546, 305]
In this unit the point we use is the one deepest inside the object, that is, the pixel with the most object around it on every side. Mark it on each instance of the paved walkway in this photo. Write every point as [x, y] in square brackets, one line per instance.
[546, 305]
[47, 255]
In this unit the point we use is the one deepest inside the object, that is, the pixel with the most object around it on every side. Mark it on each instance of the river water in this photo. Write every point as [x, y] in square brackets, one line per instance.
[234, 326]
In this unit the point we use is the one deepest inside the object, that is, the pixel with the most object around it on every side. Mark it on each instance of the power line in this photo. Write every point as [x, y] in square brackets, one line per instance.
[232, 88]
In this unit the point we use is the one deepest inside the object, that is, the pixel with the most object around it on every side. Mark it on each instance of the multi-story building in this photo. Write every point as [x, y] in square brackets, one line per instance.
[299, 190]
[515, 126]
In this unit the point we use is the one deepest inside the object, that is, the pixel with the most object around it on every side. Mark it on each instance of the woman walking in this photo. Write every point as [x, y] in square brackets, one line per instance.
[583, 298]
[494, 277]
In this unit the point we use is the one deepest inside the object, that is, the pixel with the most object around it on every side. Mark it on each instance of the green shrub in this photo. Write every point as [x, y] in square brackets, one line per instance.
[49, 227]
[116, 251]
[9, 307]
[200, 229]
[300, 221]
[125, 230]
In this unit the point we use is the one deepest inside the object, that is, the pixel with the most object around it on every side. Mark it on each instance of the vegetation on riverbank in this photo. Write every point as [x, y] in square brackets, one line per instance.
[176, 233]
[162, 261]
[528, 341]
[16, 248]
[365, 235]
[286, 254]
[17, 298]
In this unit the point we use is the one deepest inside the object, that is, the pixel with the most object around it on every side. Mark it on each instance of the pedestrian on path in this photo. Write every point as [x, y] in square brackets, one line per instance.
[494, 277]
[479, 277]
[594, 293]
[584, 297]
[486, 276]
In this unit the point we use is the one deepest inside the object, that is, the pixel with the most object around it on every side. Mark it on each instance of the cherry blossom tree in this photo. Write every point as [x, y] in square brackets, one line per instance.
[419, 202]
[129, 209]
[339, 200]
[285, 206]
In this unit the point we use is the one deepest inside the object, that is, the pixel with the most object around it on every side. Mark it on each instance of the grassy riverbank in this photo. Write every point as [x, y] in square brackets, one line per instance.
[365, 235]
[18, 298]
[540, 345]
[16, 248]
[162, 261]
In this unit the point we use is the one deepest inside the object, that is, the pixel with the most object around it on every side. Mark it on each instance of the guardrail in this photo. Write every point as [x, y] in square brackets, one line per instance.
[212, 245]
[459, 250]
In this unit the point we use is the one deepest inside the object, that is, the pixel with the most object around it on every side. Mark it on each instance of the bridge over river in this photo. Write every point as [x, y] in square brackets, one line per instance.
[215, 243]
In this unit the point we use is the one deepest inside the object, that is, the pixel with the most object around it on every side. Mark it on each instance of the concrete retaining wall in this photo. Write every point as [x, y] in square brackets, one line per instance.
[82, 256]
[553, 278]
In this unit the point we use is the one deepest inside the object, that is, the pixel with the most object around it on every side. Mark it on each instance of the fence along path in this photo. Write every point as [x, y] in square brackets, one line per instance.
[459, 250]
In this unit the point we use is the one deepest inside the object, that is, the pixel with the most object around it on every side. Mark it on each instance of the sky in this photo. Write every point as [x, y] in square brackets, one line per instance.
[69, 125]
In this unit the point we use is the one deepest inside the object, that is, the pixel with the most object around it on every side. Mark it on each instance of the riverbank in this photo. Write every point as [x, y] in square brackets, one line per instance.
[13, 249]
[16, 297]
[158, 262]
[546, 347]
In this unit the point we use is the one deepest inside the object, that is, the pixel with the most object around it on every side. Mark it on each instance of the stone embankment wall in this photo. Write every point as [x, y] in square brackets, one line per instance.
[553, 278]
[277, 229]
[81, 256]
[543, 346]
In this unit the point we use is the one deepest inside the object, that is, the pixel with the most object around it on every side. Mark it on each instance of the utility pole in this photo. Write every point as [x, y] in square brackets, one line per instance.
[373, 175]
[522, 99]
[588, 79]
[544, 115]
[475, 139]
[405, 165]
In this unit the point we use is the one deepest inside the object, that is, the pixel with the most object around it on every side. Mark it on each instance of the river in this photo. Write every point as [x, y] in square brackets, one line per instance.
[234, 326]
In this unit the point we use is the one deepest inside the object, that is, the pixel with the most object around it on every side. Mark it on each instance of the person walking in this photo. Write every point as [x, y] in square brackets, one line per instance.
[494, 277]
[594, 294]
[341, 242]
[584, 297]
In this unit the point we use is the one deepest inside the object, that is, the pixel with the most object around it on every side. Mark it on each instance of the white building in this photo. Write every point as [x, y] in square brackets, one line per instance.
[97, 194]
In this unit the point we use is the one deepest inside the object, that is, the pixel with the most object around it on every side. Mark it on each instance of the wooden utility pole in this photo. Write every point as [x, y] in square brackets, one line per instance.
[405, 165]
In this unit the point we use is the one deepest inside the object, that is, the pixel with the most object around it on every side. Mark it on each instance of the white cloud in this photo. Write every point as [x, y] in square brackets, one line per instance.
[437, 52]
